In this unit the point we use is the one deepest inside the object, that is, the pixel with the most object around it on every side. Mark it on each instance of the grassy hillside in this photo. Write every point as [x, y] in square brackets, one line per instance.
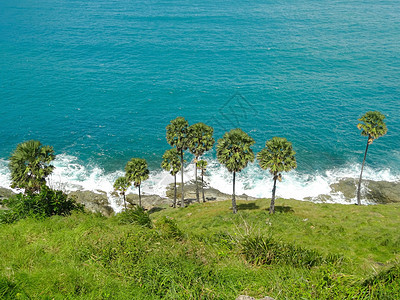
[305, 250]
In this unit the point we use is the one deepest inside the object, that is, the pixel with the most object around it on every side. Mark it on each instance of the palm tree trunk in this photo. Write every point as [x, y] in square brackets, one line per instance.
[175, 191]
[362, 168]
[272, 207]
[234, 208]
[195, 177]
[140, 198]
[202, 185]
[182, 187]
[124, 200]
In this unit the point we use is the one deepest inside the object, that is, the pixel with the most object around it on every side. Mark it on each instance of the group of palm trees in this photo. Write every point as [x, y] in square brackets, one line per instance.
[234, 152]
[30, 162]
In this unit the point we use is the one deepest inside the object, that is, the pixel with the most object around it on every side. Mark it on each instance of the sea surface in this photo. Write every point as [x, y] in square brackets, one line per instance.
[100, 80]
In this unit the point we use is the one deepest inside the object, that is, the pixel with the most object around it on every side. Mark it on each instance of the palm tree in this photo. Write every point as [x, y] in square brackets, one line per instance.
[136, 172]
[121, 185]
[177, 131]
[30, 165]
[234, 151]
[277, 156]
[372, 126]
[200, 140]
[172, 164]
[202, 165]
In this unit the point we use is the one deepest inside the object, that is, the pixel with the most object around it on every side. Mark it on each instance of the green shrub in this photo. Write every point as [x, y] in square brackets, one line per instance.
[10, 290]
[137, 215]
[44, 204]
[385, 284]
[169, 229]
[266, 251]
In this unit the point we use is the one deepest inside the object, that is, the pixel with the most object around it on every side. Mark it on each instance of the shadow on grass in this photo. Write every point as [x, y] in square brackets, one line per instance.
[284, 209]
[155, 209]
[248, 206]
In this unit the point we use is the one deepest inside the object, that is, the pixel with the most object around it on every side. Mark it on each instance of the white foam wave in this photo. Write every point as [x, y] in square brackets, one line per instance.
[71, 175]
[254, 181]
[5, 179]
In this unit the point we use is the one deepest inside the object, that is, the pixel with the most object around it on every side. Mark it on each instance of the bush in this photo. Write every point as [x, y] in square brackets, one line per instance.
[385, 284]
[44, 204]
[10, 290]
[266, 251]
[136, 215]
[169, 229]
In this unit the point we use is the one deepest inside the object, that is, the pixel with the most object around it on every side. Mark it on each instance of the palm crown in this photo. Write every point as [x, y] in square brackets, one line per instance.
[277, 156]
[29, 165]
[200, 138]
[137, 171]
[372, 125]
[122, 184]
[201, 165]
[234, 151]
[177, 132]
[171, 161]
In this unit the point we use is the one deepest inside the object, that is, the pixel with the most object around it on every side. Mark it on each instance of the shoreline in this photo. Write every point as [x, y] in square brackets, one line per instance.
[374, 192]
[70, 175]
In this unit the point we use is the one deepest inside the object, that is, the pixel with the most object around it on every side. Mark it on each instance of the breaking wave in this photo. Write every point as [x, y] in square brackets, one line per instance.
[71, 175]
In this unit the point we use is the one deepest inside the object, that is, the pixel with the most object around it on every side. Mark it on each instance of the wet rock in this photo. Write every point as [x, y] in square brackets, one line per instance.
[210, 194]
[382, 192]
[346, 186]
[148, 201]
[94, 202]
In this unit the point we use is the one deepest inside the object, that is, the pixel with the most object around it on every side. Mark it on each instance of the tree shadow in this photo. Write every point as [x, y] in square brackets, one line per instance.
[249, 206]
[284, 209]
[155, 209]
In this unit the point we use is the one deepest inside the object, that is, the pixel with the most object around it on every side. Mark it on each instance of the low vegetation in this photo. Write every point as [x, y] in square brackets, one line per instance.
[303, 251]
[46, 203]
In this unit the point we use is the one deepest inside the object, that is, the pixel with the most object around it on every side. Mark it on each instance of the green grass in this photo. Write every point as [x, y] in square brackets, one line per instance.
[304, 251]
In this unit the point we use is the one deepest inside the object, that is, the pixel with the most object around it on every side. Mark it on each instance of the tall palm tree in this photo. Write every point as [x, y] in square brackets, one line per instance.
[373, 126]
[200, 140]
[177, 136]
[277, 156]
[30, 165]
[137, 172]
[202, 165]
[234, 151]
[121, 185]
[172, 164]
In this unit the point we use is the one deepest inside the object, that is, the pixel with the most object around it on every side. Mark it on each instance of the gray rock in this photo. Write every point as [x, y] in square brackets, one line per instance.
[148, 201]
[210, 194]
[94, 202]
[382, 192]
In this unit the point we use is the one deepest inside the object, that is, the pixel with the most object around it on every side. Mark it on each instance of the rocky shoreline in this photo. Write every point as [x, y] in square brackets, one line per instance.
[375, 192]
[372, 192]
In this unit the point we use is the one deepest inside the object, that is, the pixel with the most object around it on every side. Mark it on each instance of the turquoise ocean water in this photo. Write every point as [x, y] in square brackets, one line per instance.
[100, 80]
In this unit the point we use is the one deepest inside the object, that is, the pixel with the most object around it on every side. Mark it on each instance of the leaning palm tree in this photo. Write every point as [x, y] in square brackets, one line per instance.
[234, 151]
[30, 165]
[200, 140]
[121, 185]
[277, 156]
[137, 172]
[372, 126]
[202, 165]
[177, 131]
[172, 164]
